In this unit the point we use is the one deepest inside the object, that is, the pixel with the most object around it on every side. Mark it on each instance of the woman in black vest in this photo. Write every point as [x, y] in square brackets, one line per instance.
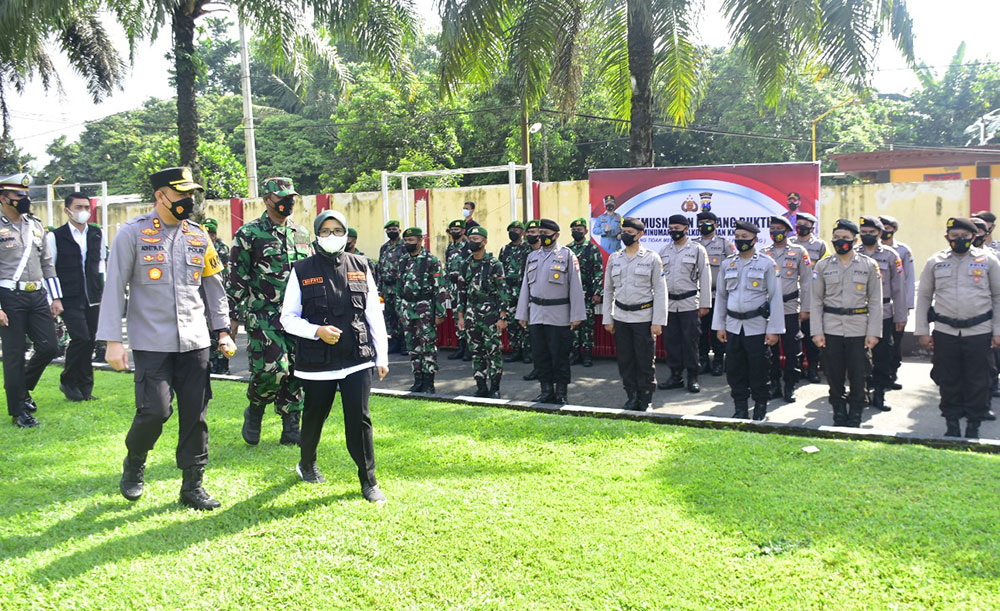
[332, 306]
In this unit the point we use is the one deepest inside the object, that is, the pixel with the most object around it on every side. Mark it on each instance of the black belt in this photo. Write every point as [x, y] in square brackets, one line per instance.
[790, 296]
[685, 295]
[633, 307]
[958, 323]
[744, 315]
[549, 302]
[844, 311]
[887, 300]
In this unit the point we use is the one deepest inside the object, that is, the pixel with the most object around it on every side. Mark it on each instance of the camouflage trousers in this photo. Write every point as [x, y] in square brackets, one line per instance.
[583, 335]
[393, 326]
[517, 337]
[486, 345]
[271, 356]
[421, 335]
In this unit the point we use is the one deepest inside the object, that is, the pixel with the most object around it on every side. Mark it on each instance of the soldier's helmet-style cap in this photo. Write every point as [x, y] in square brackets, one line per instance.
[211, 225]
[16, 182]
[278, 185]
[179, 179]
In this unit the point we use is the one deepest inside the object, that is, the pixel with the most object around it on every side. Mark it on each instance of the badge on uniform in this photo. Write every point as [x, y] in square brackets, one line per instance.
[155, 273]
[148, 258]
[356, 276]
[152, 240]
[149, 231]
[156, 223]
[309, 281]
[195, 242]
[196, 260]
[196, 275]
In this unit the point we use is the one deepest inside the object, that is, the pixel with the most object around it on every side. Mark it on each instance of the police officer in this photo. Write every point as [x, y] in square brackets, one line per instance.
[592, 277]
[846, 318]
[513, 256]
[635, 312]
[960, 294]
[422, 298]
[172, 271]
[805, 237]
[78, 256]
[717, 248]
[748, 319]
[217, 362]
[549, 306]
[386, 273]
[454, 254]
[979, 241]
[795, 272]
[534, 240]
[609, 225]
[993, 246]
[26, 275]
[689, 287]
[894, 310]
[891, 226]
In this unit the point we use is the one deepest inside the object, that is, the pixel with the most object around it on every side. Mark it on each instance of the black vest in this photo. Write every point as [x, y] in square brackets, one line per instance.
[79, 279]
[334, 294]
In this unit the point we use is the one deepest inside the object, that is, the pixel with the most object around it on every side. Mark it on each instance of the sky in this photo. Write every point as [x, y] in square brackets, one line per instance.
[38, 117]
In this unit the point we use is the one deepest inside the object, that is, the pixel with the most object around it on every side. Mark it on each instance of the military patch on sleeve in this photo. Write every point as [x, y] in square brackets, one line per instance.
[212, 263]
[899, 265]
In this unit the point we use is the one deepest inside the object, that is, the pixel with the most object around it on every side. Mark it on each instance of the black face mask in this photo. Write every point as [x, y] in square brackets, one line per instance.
[803, 231]
[843, 246]
[706, 228]
[961, 245]
[793, 205]
[745, 245]
[868, 239]
[579, 235]
[182, 208]
[978, 241]
[628, 239]
[513, 235]
[475, 246]
[548, 240]
[778, 236]
[412, 247]
[392, 235]
[887, 235]
[285, 205]
[532, 239]
[677, 236]
[455, 235]
[23, 205]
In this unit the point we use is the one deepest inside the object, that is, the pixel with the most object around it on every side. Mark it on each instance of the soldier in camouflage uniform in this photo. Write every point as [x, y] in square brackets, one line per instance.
[218, 362]
[386, 272]
[454, 255]
[592, 276]
[422, 297]
[483, 303]
[512, 257]
[533, 237]
[352, 248]
[262, 256]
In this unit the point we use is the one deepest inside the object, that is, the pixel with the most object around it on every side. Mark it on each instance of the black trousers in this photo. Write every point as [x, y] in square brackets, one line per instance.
[809, 348]
[746, 367]
[354, 391]
[28, 315]
[681, 339]
[635, 347]
[159, 376]
[897, 351]
[709, 340]
[883, 355]
[961, 368]
[791, 346]
[846, 358]
[81, 323]
[550, 346]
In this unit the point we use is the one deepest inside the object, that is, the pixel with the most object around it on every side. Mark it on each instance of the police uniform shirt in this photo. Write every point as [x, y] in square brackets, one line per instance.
[165, 267]
[858, 285]
[960, 287]
[717, 249]
[813, 245]
[551, 273]
[744, 286]
[14, 238]
[909, 272]
[795, 271]
[635, 280]
[994, 247]
[686, 269]
[890, 266]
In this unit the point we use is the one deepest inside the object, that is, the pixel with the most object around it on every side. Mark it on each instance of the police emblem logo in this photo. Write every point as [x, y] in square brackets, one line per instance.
[196, 275]
[25, 180]
[161, 257]
[186, 175]
[148, 258]
[155, 273]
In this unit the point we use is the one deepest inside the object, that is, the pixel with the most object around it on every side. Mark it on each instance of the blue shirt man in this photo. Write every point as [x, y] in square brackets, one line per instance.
[609, 226]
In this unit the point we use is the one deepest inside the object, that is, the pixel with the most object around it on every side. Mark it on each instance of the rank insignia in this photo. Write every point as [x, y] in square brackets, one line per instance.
[195, 242]
[196, 275]
[155, 273]
[150, 231]
[156, 223]
[148, 258]
[152, 240]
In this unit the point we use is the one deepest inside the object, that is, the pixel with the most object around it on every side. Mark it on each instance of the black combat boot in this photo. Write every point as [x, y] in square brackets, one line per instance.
[133, 472]
[839, 414]
[643, 399]
[428, 386]
[574, 356]
[561, 390]
[481, 389]
[854, 415]
[813, 374]
[290, 429]
[759, 410]
[954, 427]
[972, 429]
[718, 366]
[588, 360]
[990, 415]
[633, 398]
[789, 395]
[742, 410]
[878, 400]
[547, 394]
[693, 385]
[252, 416]
[192, 494]
[513, 356]
[418, 382]
[774, 389]
[531, 375]
[674, 381]
[495, 386]
[460, 353]
[706, 365]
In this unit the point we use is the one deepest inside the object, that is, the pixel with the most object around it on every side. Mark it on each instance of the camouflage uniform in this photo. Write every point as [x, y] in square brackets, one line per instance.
[262, 257]
[387, 272]
[422, 297]
[512, 257]
[592, 276]
[483, 299]
[218, 362]
[454, 255]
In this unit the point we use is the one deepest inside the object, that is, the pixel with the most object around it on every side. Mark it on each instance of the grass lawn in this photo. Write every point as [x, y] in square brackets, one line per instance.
[491, 508]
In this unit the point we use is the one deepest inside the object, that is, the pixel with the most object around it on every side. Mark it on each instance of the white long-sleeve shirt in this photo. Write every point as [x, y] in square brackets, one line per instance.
[292, 321]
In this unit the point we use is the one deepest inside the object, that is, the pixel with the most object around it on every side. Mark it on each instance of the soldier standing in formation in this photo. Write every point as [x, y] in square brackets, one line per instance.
[846, 320]
[386, 272]
[804, 236]
[550, 305]
[217, 362]
[635, 312]
[454, 254]
[352, 249]
[894, 310]
[960, 293]
[748, 319]
[534, 240]
[592, 276]
[26, 275]
[262, 256]
[609, 225]
[422, 298]
[172, 271]
[483, 302]
[689, 287]
[512, 257]
[717, 248]
[795, 272]
[891, 226]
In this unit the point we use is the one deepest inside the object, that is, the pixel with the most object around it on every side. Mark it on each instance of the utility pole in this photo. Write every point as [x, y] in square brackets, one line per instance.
[248, 135]
[525, 158]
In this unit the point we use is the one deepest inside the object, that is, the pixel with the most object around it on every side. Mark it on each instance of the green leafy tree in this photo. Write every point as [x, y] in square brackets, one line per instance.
[223, 174]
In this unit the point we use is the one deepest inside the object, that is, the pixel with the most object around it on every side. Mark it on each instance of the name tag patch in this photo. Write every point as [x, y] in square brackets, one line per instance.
[356, 276]
[308, 281]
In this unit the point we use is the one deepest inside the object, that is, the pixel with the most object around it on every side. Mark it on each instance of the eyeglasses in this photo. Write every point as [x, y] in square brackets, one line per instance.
[325, 233]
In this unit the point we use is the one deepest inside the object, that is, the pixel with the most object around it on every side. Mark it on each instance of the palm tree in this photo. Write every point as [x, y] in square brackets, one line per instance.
[649, 46]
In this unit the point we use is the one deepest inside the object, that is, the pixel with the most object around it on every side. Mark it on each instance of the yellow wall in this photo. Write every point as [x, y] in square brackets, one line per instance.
[917, 174]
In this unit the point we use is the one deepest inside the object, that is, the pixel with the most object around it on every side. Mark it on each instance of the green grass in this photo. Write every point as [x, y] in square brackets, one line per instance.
[491, 508]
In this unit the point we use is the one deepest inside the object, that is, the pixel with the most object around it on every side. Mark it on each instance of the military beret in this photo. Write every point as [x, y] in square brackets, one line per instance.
[634, 223]
[806, 217]
[457, 223]
[958, 222]
[179, 179]
[211, 225]
[533, 224]
[548, 224]
[352, 232]
[980, 223]
[780, 220]
[478, 230]
[745, 226]
[413, 232]
[678, 219]
[608, 198]
[708, 215]
[515, 225]
[392, 223]
[471, 223]
[580, 222]
[872, 221]
[846, 224]
[889, 220]
[986, 215]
